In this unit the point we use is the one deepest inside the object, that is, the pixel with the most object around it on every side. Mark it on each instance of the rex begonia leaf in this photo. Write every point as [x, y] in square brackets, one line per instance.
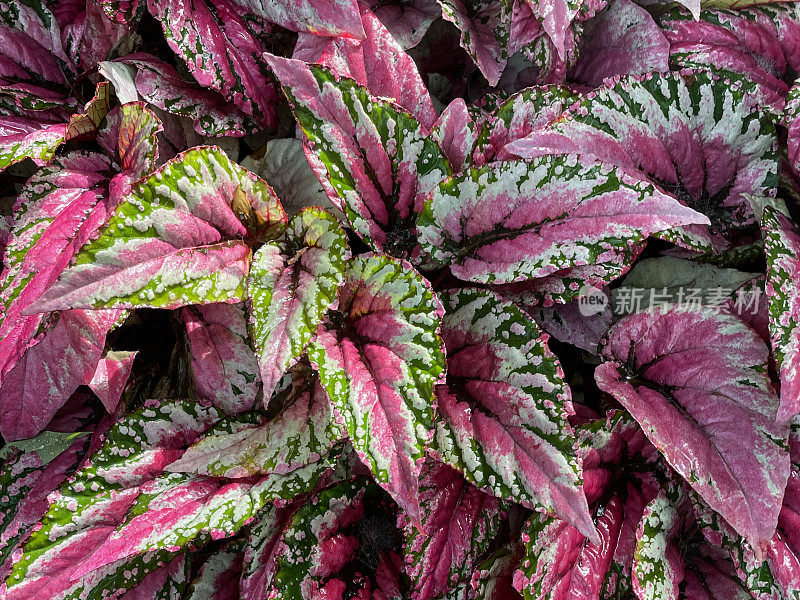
[517, 117]
[461, 522]
[326, 534]
[175, 240]
[793, 124]
[696, 381]
[503, 411]
[485, 32]
[406, 21]
[378, 358]
[120, 517]
[62, 206]
[706, 140]
[111, 376]
[657, 569]
[259, 556]
[377, 62]
[321, 17]
[159, 84]
[165, 583]
[292, 283]
[219, 575]
[621, 40]
[303, 432]
[21, 138]
[221, 51]
[559, 562]
[35, 18]
[737, 44]
[373, 159]
[759, 576]
[25, 137]
[120, 11]
[456, 131]
[782, 248]
[516, 220]
[224, 368]
[26, 480]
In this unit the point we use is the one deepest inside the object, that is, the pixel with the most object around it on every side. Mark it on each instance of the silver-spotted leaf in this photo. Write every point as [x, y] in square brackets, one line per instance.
[121, 517]
[515, 220]
[301, 434]
[293, 281]
[374, 160]
[503, 411]
[175, 240]
[379, 357]
[782, 249]
[706, 140]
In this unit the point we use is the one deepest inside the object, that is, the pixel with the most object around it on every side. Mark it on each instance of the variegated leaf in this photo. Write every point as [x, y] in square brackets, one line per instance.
[782, 248]
[22, 138]
[696, 381]
[167, 582]
[175, 240]
[461, 522]
[326, 534]
[757, 576]
[224, 366]
[485, 32]
[377, 62]
[120, 518]
[301, 434]
[792, 120]
[159, 84]
[221, 51]
[705, 140]
[456, 132]
[379, 357]
[292, 283]
[26, 480]
[407, 22]
[503, 413]
[517, 117]
[373, 159]
[657, 563]
[219, 576]
[516, 220]
[321, 17]
[741, 45]
[560, 563]
[623, 39]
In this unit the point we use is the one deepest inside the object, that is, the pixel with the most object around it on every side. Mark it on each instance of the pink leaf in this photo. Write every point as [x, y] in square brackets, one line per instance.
[374, 160]
[221, 51]
[461, 522]
[782, 249]
[320, 17]
[49, 372]
[379, 367]
[111, 377]
[159, 84]
[223, 363]
[175, 240]
[377, 62]
[407, 22]
[456, 131]
[696, 383]
[503, 413]
[518, 220]
[621, 40]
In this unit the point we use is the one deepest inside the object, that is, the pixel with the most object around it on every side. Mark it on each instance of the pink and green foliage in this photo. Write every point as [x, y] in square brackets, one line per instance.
[399, 299]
